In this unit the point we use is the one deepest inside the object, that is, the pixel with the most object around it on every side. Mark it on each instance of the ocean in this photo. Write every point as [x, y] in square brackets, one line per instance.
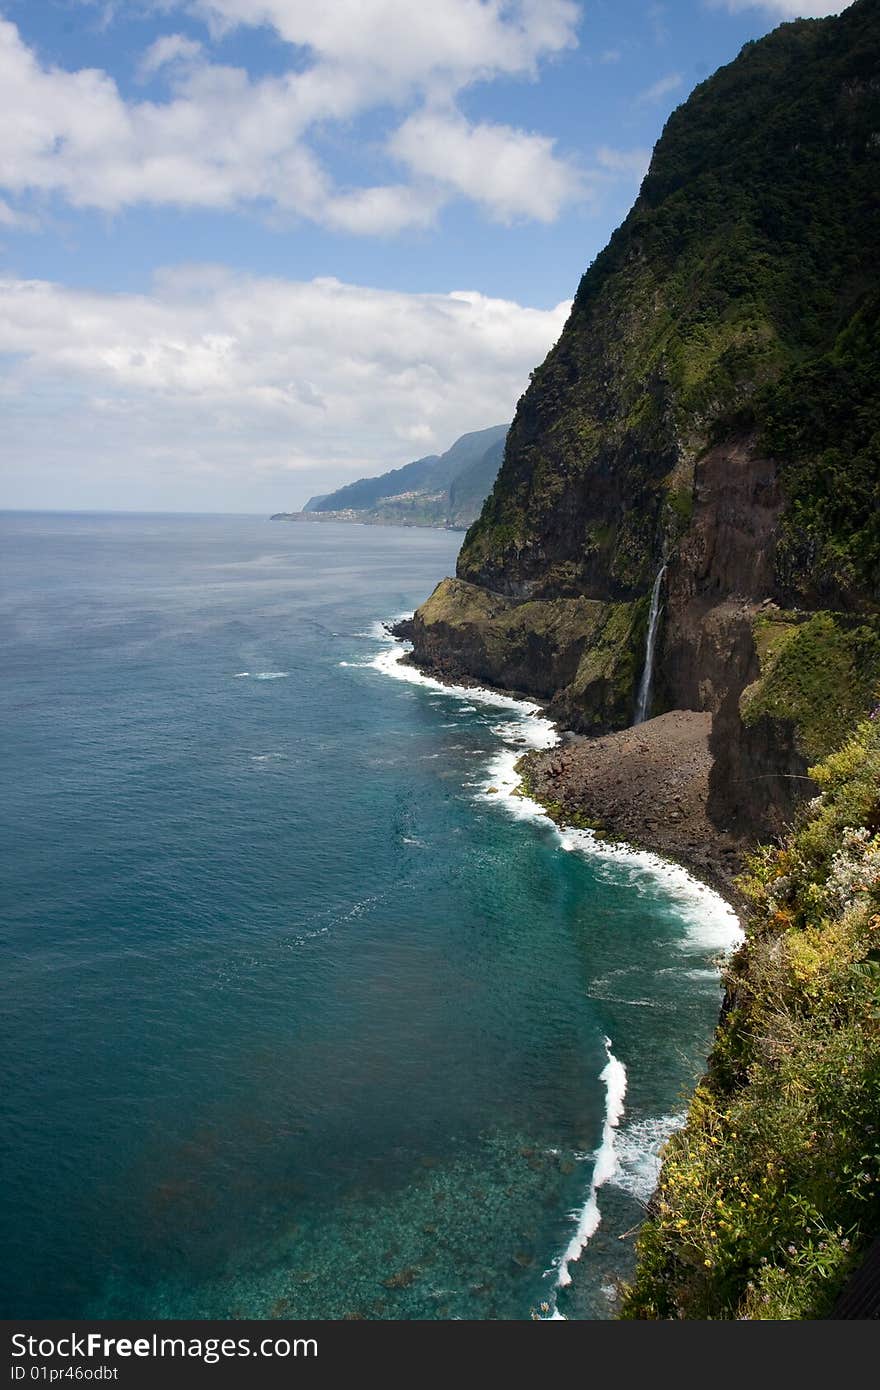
[306, 1014]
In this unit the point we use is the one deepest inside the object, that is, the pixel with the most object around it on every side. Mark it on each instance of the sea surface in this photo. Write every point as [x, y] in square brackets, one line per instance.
[305, 1013]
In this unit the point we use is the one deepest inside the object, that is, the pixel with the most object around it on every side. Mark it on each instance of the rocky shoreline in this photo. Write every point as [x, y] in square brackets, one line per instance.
[647, 786]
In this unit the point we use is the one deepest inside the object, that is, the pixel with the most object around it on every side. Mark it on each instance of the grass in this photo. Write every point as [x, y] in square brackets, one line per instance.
[819, 671]
[771, 1192]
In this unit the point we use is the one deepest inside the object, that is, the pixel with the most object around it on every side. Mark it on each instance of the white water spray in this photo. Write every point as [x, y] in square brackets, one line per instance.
[644, 696]
[604, 1167]
[712, 925]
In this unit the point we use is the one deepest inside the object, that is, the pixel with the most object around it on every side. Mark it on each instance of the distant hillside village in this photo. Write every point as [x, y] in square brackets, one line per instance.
[443, 490]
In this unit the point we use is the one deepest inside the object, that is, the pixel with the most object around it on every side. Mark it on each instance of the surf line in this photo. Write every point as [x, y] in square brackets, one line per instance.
[711, 921]
[605, 1165]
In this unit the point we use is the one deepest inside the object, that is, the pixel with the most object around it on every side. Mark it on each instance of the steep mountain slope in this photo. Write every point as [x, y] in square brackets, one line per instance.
[712, 407]
[770, 1195]
[366, 492]
[469, 490]
[438, 490]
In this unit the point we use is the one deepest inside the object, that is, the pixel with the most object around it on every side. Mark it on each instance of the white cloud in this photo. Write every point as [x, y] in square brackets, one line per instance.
[222, 140]
[786, 9]
[662, 88]
[400, 42]
[511, 173]
[611, 55]
[632, 163]
[385, 210]
[225, 139]
[170, 48]
[247, 383]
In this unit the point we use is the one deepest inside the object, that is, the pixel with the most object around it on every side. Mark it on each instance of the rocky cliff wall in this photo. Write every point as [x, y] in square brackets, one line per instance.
[737, 302]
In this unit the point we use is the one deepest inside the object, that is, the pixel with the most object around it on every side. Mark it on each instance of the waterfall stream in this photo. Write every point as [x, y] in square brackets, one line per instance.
[643, 699]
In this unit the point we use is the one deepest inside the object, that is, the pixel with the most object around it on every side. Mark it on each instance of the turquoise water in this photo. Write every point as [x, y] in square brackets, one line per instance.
[299, 1018]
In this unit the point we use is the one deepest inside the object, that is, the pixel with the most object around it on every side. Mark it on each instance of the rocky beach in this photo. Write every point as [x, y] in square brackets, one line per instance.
[647, 786]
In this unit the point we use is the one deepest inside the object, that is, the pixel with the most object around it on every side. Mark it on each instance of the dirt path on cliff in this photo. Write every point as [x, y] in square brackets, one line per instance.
[647, 785]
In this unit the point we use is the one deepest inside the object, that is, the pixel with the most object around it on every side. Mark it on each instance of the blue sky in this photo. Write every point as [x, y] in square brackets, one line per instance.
[252, 249]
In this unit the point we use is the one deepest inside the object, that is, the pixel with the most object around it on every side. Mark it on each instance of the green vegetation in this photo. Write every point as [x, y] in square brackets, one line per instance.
[582, 655]
[558, 813]
[737, 297]
[714, 400]
[823, 422]
[439, 490]
[609, 669]
[820, 672]
[771, 1192]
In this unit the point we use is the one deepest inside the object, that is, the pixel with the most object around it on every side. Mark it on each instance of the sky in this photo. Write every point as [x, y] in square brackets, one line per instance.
[251, 250]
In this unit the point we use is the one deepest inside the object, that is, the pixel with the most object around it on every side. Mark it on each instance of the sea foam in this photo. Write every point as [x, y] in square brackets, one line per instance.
[639, 1147]
[711, 925]
[605, 1166]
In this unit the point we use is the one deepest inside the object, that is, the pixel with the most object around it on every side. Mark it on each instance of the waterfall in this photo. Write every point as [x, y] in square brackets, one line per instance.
[644, 696]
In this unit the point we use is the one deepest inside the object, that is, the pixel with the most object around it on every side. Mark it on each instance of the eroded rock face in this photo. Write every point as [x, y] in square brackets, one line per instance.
[722, 569]
[721, 579]
[577, 654]
[583, 656]
[737, 301]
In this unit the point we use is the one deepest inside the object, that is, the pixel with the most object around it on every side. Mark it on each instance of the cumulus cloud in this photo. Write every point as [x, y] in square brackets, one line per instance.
[170, 48]
[381, 210]
[248, 384]
[400, 43]
[12, 217]
[223, 138]
[512, 174]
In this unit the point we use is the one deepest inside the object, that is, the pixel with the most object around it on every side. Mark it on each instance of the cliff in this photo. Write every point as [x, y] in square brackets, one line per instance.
[445, 490]
[712, 407]
[703, 445]
[769, 1197]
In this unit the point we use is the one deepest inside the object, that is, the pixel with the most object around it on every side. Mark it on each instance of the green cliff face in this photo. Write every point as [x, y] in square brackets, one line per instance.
[440, 490]
[750, 250]
[576, 654]
[713, 405]
[714, 398]
[770, 1195]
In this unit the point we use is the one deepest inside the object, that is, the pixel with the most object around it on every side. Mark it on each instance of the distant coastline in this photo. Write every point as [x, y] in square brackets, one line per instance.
[354, 518]
[442, 492]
